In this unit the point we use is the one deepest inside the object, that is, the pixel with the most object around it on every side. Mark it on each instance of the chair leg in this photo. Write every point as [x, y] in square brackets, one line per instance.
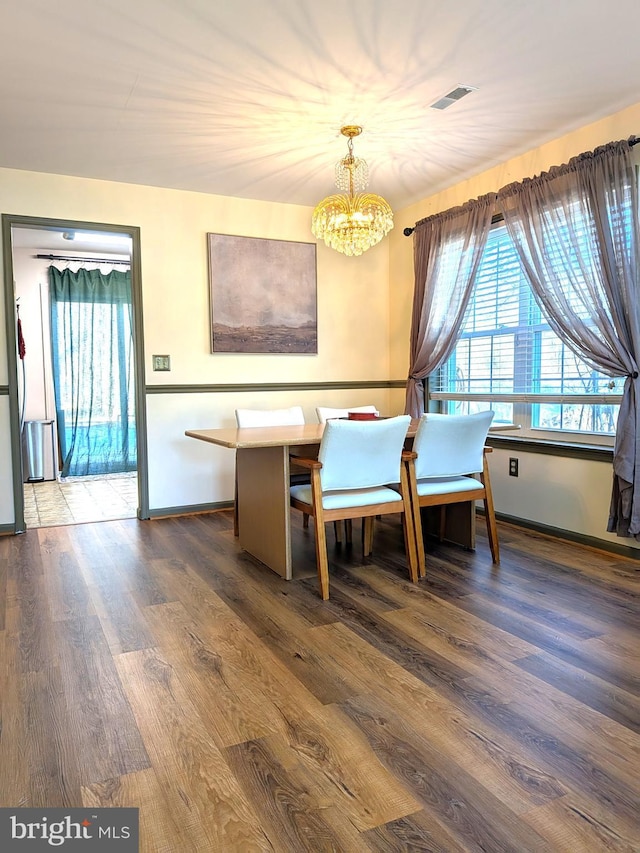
[305, 520]
[368, 529]
[412, 539]
[337, 530]
[410, 547]
[322, 560]
[348, 531]
[489, 513]
[417, 521]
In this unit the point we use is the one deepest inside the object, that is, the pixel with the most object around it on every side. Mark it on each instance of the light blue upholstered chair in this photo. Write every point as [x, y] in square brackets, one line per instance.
[450, 450]
[327, 413]
[357, 462]
[293, 416]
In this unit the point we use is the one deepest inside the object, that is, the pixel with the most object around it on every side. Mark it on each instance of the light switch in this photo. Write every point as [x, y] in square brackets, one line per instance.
[161, 362]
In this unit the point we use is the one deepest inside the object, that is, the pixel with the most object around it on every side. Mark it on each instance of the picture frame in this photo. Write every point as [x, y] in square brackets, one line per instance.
[263, 295]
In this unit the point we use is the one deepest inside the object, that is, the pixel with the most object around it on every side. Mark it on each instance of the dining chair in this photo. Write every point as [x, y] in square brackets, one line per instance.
[326, 413]
[356, 464]
[293, 416]
[450, 451]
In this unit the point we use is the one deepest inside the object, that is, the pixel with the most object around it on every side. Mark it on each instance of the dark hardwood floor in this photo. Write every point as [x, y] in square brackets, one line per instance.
[484, 709]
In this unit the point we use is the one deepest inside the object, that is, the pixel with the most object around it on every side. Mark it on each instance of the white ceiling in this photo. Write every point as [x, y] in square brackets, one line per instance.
[246, 98]
[69, 244]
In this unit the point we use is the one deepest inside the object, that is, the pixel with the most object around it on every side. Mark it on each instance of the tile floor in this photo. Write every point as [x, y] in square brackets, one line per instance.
[80, 499]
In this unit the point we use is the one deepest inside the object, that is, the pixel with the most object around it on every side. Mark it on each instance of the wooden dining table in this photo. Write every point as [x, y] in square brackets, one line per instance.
[263, 468]
[263, 471]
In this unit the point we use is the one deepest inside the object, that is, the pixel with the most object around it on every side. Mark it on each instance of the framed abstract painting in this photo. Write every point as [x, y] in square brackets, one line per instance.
[263, 295]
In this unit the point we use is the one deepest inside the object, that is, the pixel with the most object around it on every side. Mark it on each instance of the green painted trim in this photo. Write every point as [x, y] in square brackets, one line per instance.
[190, 509]
[568, 535]
[254, 387]
[141, 397]
[7, 530]
[12, 375]
[550, 448]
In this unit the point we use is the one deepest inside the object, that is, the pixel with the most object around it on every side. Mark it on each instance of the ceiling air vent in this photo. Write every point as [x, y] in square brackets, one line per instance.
[453, 96]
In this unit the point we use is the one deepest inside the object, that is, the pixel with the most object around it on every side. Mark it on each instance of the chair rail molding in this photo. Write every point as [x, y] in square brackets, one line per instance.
[254, 387]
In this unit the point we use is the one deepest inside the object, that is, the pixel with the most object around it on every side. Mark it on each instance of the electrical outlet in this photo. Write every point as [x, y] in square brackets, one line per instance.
[513, 466]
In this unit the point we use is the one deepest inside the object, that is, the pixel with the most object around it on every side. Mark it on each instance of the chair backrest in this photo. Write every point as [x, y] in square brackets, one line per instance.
[326, 413]
[293, 416]
[362, 454]
[450, 445]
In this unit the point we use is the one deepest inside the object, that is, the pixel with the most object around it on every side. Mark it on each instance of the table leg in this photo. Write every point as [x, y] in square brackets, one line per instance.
[459, 527]
[263, 506]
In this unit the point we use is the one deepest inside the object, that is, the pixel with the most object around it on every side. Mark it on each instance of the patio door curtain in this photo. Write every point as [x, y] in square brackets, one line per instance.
[92, 354]
[576, 230]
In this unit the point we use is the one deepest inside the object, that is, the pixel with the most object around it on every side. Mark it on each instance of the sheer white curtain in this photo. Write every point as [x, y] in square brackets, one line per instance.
[447, 250]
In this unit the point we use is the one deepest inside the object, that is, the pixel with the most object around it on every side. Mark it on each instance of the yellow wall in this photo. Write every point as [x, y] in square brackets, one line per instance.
[353, 317]
[352, 292]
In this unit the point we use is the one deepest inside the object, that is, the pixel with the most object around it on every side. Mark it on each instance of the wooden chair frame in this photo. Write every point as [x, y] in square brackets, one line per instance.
[412, 536]
[483, 493]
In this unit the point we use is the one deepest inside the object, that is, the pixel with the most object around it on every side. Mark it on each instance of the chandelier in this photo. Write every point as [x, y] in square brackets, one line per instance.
[352, 221]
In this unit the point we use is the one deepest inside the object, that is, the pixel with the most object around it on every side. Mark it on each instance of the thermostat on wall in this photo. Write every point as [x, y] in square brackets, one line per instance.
[161, 362]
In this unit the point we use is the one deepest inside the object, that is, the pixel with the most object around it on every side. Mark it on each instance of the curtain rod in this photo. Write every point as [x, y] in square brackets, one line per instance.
[498, 217]
[82, 260]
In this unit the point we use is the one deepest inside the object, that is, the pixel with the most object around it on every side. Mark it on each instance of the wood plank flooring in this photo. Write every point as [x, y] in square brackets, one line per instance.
[154, 664]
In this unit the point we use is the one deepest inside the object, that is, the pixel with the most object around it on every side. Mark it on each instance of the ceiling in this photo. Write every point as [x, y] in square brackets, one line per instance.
[247, 98]
[70, 243]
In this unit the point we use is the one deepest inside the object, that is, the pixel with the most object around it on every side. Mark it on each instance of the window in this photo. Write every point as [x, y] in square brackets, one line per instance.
[509, 359]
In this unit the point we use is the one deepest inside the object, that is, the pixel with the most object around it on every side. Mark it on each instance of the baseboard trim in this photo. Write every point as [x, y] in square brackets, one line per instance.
[570, 536]
[189, 509]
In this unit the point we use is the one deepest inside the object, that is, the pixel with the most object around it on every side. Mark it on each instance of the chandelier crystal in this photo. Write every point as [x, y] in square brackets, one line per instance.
[352, 221]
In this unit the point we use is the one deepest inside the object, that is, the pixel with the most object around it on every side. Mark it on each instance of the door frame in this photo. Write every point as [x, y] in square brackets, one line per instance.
[10, 221]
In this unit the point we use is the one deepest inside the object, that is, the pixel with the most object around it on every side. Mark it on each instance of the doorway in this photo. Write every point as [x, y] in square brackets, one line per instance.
[41, 495]
[76, 500]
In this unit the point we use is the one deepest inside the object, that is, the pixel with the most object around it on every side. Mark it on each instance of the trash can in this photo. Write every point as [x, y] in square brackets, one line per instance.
[34, 445]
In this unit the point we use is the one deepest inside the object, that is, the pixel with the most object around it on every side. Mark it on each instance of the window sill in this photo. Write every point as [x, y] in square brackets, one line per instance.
[568, 449]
